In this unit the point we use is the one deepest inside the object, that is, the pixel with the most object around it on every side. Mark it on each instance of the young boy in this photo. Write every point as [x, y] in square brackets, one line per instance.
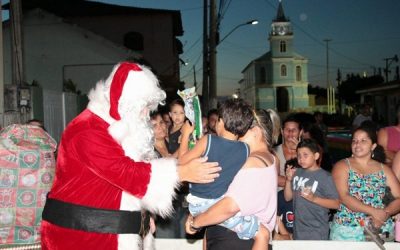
[313, 193]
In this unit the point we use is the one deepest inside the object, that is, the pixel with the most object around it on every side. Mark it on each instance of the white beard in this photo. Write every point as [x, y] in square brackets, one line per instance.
[135, 136]
[137, 139]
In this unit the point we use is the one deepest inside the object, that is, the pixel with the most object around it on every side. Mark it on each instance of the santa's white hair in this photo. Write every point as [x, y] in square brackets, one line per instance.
[141, 94]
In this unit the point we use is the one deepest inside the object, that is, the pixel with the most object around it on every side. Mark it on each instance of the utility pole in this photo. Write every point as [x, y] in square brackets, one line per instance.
[330, 90]
[205, 90]
[1, 71]
[339, 81]
[389, 61]
[194, 77]
[16, 38]
[213, 54]
[11, 107]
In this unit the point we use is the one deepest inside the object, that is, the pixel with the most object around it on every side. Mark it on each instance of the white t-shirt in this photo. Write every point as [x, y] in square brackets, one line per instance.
[282, 161]
[360, 118]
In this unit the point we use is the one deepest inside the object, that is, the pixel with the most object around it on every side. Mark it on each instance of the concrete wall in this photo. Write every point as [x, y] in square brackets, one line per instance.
[182, 244]
[50, 45]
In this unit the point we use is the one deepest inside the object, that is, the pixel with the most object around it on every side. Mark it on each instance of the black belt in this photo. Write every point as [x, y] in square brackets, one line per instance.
[95, 220]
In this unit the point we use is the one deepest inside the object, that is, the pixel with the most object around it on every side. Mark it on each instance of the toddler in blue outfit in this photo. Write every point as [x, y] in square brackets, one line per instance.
[235, 118]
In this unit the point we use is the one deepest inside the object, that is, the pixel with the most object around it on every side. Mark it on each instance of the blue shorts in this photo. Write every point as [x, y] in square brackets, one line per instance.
[246, 227]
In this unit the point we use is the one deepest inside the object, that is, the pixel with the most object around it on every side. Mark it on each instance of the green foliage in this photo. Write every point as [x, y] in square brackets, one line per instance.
[71, 87]
[317, 91]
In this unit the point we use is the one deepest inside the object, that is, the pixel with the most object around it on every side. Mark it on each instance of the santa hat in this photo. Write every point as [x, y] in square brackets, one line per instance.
[124, 99]
[117, 85]
[129, 86]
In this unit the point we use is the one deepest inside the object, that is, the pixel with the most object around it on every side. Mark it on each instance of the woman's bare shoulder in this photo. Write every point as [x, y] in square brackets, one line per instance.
[260, 160]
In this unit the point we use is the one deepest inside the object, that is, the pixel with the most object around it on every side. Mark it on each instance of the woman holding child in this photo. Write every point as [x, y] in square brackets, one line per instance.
[258, 173]
[361, 181]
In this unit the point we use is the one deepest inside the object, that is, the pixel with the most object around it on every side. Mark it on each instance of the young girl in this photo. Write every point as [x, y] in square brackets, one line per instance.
[313, 193]
[177, 114]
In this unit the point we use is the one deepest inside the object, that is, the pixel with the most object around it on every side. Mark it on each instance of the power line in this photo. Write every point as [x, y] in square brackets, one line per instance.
[367, 40]
[194, 44]
[223, 8]
[319, 42]
[195, 63]
[336, 66]
[194, 8]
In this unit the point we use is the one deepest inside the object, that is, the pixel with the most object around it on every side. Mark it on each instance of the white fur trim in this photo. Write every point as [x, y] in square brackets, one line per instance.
[161, 189]
[128, 242]
[99, 98]
[141, 91]
[149, 242]
[98, 103]
[129, 202]
[118, 130]
[134, 242]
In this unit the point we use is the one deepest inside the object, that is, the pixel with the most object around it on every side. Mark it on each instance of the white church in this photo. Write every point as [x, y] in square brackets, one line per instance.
[278, 79]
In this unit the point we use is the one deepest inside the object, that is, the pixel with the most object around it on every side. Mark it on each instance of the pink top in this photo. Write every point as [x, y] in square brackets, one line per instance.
[393, 141]
[255, 192]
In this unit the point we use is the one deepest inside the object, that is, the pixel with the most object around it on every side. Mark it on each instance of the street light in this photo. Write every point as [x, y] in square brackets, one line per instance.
[183, 62]
[251, 22]
[212, 60]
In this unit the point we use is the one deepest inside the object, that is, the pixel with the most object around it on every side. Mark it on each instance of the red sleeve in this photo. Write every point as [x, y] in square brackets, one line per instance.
[103, 156]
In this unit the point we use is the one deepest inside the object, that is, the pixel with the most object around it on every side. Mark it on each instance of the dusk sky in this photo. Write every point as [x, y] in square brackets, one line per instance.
[363, 33]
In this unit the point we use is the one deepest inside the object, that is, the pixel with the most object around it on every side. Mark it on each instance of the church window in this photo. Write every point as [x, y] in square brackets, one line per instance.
[298, 73]
[282, 46]
[262, 75]
[283, 70]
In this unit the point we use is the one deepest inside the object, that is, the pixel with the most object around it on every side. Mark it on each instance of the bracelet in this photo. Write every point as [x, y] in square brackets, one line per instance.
[191, 223]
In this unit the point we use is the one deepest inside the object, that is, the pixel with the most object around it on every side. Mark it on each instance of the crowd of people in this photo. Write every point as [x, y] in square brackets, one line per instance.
[304, 195]
[248, 180]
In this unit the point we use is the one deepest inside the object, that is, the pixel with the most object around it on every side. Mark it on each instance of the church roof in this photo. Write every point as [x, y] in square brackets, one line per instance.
[267, 57]
[264, 57]
[280, 16]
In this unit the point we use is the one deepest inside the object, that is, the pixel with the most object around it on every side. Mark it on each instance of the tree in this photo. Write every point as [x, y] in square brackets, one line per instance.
[317, 91]
[347, 89]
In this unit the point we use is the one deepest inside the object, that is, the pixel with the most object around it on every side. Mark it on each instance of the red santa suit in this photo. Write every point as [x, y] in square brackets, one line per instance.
[104, 162]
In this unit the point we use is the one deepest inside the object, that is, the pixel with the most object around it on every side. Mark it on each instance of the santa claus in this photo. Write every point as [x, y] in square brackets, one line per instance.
[106, 173]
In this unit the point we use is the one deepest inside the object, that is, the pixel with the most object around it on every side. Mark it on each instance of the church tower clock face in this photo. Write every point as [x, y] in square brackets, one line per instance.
[282, 30]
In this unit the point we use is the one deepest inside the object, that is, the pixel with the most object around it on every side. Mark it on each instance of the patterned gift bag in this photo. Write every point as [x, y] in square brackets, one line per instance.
[27, 167]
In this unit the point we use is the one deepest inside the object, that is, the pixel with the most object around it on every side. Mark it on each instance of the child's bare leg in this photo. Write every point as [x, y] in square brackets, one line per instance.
[261, 239]
[204, 241]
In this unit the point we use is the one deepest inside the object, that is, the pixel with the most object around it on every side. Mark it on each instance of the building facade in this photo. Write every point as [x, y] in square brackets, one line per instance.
[278, 79]
[75, 44]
